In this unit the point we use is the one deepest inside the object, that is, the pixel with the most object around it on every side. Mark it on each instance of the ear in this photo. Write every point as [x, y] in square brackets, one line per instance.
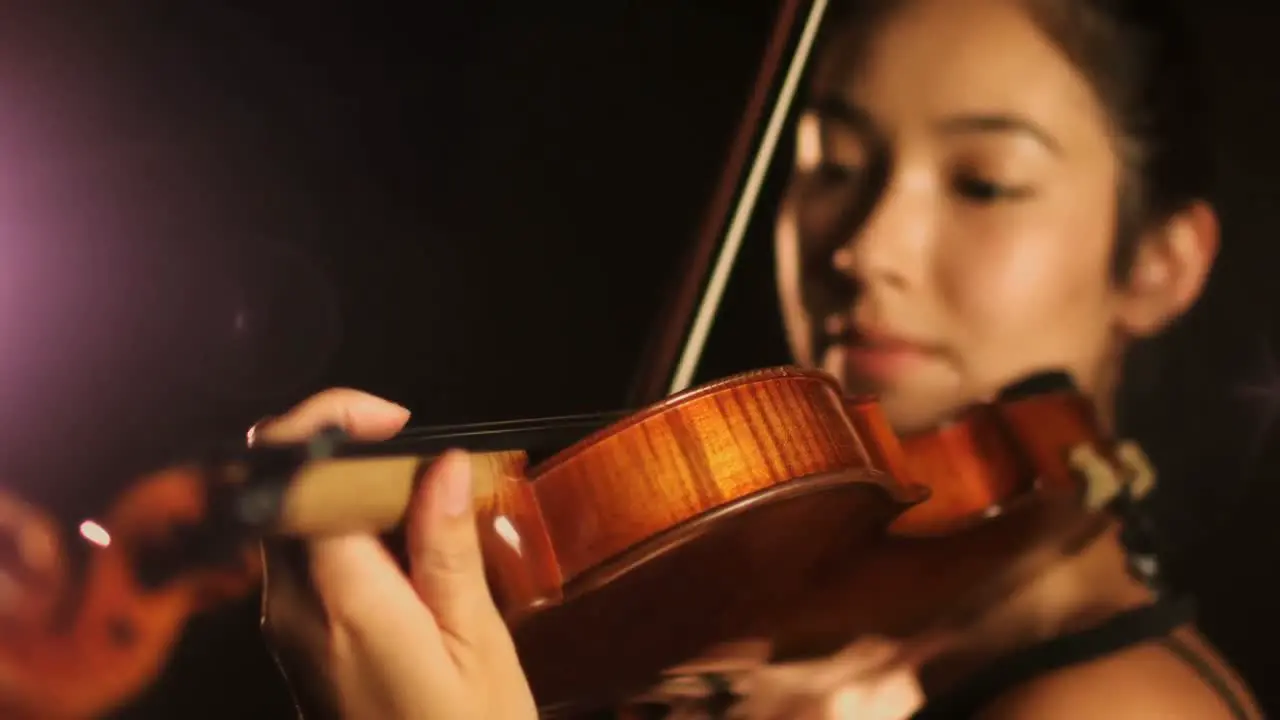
[1169, 270]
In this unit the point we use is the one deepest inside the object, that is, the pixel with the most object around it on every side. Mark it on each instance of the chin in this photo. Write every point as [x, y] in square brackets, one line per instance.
[907, 417]
[911, 404]
[908, 408]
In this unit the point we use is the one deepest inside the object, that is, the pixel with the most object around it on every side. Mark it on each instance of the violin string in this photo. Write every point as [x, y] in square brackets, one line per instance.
[431, 432]
[536, 436]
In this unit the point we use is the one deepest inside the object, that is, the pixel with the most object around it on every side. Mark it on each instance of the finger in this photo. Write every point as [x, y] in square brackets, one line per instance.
[810, 689]
[358, 580]
[869, 654]
[388, 640]
[291, 612]
[896, 696]
[364, 591]
[359, 414]
[787, 691]
[444, 552]
[295, 626]
[892, 696]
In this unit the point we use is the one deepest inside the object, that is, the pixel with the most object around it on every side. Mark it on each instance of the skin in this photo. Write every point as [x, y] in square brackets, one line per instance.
[987, 246]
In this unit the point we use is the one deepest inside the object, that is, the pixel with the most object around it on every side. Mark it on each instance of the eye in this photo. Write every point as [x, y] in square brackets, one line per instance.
[981, 190]
[829, 173]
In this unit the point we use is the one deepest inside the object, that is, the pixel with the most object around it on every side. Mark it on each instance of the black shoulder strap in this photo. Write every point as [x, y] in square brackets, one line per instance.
[1129, 628]
[1210, 675]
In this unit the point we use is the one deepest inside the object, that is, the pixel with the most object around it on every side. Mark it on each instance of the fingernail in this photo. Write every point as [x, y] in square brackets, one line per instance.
[251, 437]
[455, 479]
[382, 410]
[383, 407]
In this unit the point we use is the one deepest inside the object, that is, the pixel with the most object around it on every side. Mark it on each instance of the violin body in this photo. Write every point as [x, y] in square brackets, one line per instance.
[765, 505]
[706, 516]
[769, 506]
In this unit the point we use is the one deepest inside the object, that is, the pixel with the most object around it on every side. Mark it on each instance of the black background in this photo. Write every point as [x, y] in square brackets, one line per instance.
[475, 209]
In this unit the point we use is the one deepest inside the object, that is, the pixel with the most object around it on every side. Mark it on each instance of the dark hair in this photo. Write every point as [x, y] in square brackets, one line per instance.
[1140, 60]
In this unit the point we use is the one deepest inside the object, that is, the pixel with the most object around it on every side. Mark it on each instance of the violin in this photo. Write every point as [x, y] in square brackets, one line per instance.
[710, 516]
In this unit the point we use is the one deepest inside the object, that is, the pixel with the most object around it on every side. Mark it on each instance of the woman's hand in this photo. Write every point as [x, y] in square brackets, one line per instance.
[427, 645]
[871, 679]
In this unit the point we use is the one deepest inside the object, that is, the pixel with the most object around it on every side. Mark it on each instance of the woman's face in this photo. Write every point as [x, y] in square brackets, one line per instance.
[949, 225]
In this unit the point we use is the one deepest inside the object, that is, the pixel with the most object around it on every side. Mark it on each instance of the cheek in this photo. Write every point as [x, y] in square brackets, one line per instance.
[1029, 291]
[789, 280]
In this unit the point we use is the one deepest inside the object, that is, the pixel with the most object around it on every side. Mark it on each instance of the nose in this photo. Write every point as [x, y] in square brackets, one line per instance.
[886, 248]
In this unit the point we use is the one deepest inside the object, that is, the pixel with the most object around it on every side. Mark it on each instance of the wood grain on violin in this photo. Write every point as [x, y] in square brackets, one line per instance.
[764, 505]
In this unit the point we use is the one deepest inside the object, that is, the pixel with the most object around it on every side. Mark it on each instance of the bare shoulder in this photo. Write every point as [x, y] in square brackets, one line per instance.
[1172, 678]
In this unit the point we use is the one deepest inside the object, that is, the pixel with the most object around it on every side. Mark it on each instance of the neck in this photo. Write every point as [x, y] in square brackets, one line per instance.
[1103, 383]
[1076, 594]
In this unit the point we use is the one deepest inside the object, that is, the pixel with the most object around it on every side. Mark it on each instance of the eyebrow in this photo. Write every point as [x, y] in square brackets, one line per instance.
[840, 111]
[997, 123]
[835, 109]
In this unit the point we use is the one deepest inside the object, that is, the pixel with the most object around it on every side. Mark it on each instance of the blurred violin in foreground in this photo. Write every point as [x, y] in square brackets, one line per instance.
[765, 505]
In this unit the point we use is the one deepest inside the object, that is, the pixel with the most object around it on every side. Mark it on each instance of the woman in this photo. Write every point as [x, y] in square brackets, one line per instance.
[983, 189]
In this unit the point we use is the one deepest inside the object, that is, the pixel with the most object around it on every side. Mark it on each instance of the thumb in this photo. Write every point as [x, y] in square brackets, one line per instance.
[443, 546]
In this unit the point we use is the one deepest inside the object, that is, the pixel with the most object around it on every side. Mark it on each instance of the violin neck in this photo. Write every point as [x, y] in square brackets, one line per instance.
[362, 494]
[538, 437]
[332, 486]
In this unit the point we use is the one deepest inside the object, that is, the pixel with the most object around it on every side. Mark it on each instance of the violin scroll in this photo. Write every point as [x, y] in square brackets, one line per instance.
[88, 619]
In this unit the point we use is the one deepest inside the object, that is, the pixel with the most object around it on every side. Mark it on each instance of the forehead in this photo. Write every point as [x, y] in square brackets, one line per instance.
[929, 59]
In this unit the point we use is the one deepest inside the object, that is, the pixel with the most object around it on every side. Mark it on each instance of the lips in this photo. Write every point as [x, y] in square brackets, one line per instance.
[886, 341]
[877, 354]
